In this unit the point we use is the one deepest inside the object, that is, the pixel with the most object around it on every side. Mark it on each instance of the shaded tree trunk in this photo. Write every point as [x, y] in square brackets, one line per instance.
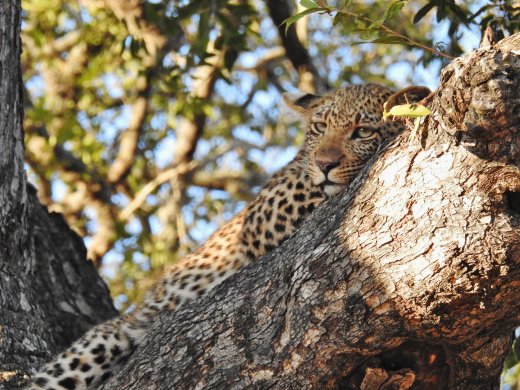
[49, 293]
[409, 278]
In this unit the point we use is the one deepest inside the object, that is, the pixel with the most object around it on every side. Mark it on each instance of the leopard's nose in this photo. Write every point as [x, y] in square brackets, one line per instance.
[328, 158]
[326, 166]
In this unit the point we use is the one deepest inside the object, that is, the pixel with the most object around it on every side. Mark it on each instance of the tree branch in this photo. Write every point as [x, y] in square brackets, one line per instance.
[413, 274]
[132, 13]
[173, 173]
[100, 188]
[150, 187]
[187, 135]
[310, 80]
[233, 182]
[97, 193]
[129, 140]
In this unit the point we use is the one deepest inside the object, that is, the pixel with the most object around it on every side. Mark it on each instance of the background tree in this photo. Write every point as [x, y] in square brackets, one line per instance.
[149, 123]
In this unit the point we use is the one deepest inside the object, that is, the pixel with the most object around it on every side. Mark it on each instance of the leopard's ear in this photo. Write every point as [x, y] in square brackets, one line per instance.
[302, 102]
[411, 95]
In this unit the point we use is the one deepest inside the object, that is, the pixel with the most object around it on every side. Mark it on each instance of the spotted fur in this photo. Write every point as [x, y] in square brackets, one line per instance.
[344, 129]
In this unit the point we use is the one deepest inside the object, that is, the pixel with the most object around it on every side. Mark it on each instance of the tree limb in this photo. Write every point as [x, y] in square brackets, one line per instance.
[279, 11]
[188, 134]
[151, 186]
[132, 13]
[129, 139]
[97, 192]
[413, 274]
[233, 182]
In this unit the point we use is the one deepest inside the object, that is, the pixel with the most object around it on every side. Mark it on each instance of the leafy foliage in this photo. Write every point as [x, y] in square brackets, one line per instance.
[149, 124]
[353, 18]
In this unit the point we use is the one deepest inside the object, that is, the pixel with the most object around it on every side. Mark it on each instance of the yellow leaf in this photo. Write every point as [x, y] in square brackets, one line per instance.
[407, 111]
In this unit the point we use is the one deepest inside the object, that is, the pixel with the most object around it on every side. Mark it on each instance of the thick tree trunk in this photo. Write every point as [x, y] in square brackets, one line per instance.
[49, 293]
[411, 278]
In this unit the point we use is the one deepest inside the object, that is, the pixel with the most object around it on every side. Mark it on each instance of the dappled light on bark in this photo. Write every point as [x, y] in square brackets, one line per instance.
[411, 277]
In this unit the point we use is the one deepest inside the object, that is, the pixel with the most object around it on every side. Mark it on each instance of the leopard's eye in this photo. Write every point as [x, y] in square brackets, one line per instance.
[319, 127]
[363, 132]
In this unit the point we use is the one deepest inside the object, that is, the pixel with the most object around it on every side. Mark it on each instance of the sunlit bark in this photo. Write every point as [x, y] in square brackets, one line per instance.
[411, 277]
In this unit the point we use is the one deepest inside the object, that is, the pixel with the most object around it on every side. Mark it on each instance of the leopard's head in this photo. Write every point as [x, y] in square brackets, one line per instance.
[344, 129]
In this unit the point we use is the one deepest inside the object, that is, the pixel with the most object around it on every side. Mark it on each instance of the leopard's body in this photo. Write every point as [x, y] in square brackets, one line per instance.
[344, 129]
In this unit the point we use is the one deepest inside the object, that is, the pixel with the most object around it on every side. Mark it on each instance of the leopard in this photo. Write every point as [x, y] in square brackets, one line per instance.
[343, 129]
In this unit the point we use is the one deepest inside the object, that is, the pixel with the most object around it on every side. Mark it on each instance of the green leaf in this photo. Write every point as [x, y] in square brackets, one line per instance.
[369, 34]
[347, 24]
[407, 111]
[230, 57]
[339, 18]
[204, 28]
[347, 3]
[191, 8]
[441, 11]
[459, 12]
[423, 11]
[389, 40]
[219, 43]
[293, 19]
[308, 4]
[511, 359]
[393, 10]
[360, 22]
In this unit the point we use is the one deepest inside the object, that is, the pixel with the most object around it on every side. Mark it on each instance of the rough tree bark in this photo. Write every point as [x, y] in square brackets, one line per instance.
[49, 293]
[410, 278]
